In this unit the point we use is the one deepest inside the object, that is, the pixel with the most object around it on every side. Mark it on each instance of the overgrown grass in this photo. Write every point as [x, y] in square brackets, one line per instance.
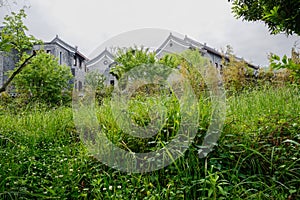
[257, 156]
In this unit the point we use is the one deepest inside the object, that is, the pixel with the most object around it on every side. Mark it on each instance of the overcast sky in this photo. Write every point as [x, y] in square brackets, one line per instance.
[89, 23]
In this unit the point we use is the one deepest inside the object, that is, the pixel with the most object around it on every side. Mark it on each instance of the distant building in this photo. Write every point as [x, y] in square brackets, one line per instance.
[7, 62]
[105, 60]
[66, 54]
[79, 64]
[102, 64]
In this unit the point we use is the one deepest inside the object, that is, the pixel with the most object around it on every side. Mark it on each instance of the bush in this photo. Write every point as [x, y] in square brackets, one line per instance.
[44, 80]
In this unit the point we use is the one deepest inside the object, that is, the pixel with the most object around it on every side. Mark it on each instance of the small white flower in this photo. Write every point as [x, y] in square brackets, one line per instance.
[104, 189]
[110, 187]
[119, 186]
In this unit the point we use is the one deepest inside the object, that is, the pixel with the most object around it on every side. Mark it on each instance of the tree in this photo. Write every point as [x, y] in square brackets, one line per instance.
[291, 64]
[44, 79]
[281, 16]
[236, 73]
[14, 39]
[13, 36]
[129, 58]
[95, 80]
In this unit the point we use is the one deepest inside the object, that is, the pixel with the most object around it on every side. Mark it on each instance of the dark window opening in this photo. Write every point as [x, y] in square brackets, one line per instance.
[79, 85]
[75, 61]
[112, 82]
[80, 64]
[73, 71]
[60, 58]
[48, 51]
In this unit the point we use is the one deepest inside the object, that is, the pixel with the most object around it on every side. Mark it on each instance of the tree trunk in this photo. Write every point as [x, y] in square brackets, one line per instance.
[4, 86]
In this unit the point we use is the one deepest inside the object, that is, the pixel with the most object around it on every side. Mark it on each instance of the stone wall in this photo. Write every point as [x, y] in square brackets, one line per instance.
[7, 63]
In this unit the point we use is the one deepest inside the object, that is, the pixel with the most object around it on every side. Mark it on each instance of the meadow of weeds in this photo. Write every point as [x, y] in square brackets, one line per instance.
[257, 157]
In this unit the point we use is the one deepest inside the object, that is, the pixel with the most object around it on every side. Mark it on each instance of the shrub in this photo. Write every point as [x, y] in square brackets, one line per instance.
[43, 79]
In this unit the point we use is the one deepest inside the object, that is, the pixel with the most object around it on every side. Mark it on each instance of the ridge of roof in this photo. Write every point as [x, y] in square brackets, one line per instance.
[67, 46]
[192, 41]
[105, 52]
[60, 41]
[174, 38]
[187, 41]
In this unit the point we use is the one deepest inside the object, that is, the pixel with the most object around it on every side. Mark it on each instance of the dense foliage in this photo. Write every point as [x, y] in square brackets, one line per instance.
[13, 40]
[44, 80]
[13, 34]
[127, 59]
[257, 156]
[291, 64]
[280, 16]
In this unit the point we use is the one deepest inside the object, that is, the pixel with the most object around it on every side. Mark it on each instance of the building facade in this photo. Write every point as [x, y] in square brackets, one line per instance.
[102, 64]
[172, 44]
[65, 53]
[80, 65]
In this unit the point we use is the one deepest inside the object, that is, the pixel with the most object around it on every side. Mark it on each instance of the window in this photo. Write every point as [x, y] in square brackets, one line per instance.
[79, 85]
[60, 58]
[112, 82]
[216, 65]
[48, 51]
[75, 61]
[73, 71]
[80, 64]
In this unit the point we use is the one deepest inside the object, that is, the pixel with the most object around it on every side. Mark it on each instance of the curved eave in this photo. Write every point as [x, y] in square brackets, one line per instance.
[171, 37]
[104, 53]
[62, 43]
[193, 42]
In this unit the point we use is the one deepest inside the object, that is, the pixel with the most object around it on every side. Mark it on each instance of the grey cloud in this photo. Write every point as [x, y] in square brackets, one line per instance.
[89, 23]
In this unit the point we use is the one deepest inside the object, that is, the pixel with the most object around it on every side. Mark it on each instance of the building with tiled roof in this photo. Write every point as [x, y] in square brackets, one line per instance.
[67, 55]
[172, 44]
[102, 64]
[79, 64]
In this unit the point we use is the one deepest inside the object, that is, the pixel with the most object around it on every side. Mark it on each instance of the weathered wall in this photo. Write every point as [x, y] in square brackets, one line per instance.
[7, 62]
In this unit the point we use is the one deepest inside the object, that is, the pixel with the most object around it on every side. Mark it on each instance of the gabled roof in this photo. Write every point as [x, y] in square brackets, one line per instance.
[193, 42]
[173, 38]
[104, 53]
[202, 46]
[62, 44]
[188, 42]
[81, 55]
[66, 46]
